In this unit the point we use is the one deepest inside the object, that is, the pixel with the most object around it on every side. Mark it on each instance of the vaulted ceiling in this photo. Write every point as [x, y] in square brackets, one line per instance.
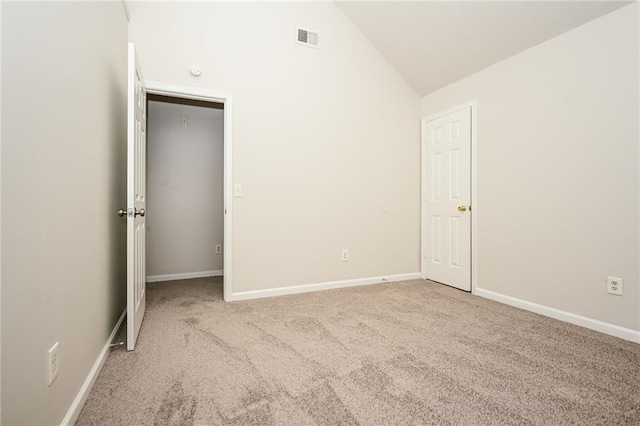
[434, 43]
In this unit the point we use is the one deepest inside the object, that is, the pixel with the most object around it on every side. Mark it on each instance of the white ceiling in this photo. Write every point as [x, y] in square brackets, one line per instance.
[434, 43]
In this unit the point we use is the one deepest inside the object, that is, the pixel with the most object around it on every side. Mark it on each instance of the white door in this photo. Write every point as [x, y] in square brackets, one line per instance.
[447, 199]
[136, 189]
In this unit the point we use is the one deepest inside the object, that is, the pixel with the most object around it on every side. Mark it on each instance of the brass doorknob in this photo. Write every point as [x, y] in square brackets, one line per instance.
[462, 208]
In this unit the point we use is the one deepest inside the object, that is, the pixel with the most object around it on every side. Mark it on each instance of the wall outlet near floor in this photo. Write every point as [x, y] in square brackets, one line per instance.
[218, 248]
[614, 286]
[345, 255]
[53, 363]
[185, 121]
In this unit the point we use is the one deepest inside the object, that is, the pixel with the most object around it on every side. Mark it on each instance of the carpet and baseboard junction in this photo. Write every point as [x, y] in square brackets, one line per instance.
[411, 352]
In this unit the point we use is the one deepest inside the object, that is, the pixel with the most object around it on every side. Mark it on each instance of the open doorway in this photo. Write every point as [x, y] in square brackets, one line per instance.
[185, 176]
[188, 181]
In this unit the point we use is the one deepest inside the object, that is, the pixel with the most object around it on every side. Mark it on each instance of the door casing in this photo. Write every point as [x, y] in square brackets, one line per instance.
[473, 104]
[188, 92]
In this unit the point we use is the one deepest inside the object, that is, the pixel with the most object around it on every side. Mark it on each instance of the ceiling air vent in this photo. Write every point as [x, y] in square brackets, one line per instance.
[308, 38]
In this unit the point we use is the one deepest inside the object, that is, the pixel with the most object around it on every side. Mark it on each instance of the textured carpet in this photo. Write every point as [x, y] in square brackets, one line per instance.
[414, 352]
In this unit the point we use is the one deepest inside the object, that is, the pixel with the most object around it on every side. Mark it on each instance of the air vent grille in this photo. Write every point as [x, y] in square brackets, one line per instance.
[308, 38]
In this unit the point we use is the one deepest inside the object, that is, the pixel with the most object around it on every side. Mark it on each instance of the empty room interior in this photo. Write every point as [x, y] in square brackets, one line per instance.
[312, 213]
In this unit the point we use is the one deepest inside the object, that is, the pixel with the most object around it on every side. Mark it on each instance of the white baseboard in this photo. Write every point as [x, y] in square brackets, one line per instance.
[185, 276]
[593, 324]
[281, 291]
[77, 404]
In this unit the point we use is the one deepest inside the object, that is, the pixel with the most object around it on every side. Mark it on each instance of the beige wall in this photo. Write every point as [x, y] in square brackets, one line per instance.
[184, 189]
[326, 141]
[63, 178]
[558, 169]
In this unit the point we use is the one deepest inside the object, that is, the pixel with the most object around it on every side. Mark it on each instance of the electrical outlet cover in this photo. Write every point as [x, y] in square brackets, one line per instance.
[345, 255]
[53, 363]
[614, 286]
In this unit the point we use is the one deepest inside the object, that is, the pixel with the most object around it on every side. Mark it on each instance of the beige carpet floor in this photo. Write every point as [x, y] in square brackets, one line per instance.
[414, 352]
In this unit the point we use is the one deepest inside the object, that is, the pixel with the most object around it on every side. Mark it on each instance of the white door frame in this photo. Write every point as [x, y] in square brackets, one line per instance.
[473, 104]
[196, 93]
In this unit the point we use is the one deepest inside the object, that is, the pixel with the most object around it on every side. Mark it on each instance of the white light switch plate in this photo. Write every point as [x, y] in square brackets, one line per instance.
[237, 190]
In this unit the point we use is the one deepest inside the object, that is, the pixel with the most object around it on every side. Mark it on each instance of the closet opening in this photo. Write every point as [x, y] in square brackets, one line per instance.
[185, 190]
